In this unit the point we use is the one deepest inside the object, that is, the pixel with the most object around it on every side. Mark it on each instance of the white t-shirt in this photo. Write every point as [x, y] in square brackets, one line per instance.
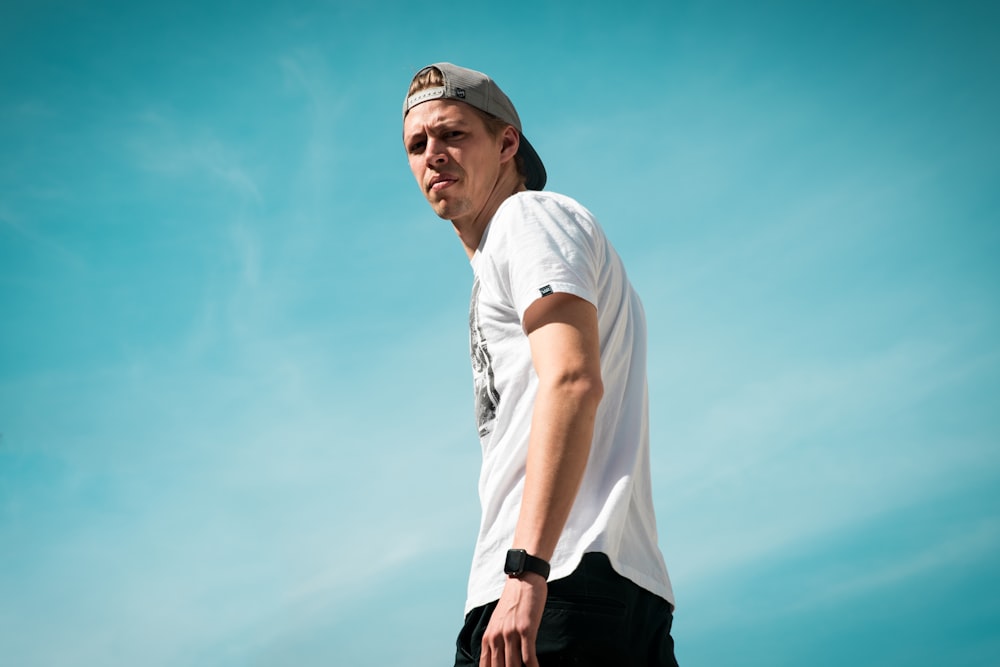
[539, 243]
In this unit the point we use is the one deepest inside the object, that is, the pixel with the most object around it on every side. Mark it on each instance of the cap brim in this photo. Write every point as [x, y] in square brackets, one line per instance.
[534, 170]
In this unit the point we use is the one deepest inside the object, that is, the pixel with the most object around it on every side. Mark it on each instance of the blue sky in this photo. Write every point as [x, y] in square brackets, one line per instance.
[235, 399]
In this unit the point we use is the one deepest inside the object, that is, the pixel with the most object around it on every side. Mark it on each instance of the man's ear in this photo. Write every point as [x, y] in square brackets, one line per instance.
[510, 142]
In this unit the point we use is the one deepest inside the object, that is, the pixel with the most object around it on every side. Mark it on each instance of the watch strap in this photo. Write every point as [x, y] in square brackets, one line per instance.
[520, 561]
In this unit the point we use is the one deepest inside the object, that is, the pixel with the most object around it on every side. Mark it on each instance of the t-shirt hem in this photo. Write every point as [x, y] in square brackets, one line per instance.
[558, 288]
[645, 581]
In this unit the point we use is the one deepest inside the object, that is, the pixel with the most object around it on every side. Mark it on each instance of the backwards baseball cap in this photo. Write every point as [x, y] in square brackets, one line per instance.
[479, 90]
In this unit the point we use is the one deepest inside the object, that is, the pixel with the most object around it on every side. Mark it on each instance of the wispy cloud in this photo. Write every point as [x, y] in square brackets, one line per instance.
[975, 543]
[188, 151]
[27, 231]
[307, 74]
[787, 460]
[267, 468]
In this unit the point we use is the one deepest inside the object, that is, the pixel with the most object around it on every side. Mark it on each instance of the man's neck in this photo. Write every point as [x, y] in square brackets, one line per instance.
[470, 230]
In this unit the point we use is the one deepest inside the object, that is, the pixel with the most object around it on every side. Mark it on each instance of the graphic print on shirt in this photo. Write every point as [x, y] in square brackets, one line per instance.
[487, 397]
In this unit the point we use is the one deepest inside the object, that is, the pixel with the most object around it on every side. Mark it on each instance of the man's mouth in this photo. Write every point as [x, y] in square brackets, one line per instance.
[440, 182]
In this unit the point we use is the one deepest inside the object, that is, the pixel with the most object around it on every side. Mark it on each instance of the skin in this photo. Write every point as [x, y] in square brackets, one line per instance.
[466, 173]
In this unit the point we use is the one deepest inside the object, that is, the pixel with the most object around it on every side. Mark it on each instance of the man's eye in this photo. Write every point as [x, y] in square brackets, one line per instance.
[454, 134]
[416, 146]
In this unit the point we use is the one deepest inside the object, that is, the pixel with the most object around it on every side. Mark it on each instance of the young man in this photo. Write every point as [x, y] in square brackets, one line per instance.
[566, 569]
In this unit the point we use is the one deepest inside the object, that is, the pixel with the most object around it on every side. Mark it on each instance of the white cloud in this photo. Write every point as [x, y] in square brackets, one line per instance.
[780, 462]
[191, 151]
[46, 242]
[225, 497]
[957, 551]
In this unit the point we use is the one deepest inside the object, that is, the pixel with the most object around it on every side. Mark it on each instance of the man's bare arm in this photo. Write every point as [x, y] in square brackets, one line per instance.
[565, 350]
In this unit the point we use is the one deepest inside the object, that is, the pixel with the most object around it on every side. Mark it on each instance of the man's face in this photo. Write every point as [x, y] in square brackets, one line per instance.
[454, 158]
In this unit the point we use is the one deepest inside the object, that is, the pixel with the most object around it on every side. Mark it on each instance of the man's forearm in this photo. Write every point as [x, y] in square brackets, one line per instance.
[562, 428]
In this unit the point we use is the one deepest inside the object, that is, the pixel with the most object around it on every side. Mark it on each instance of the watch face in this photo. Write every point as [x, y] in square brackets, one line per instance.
[515, 561]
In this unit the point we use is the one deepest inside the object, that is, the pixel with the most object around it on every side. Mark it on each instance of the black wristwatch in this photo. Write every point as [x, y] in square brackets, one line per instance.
[519, 561]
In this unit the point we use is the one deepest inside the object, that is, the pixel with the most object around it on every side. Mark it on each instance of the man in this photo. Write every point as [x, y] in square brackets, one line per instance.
[566, 569]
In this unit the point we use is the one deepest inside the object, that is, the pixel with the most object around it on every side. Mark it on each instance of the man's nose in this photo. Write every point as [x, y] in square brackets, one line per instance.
[436, 154]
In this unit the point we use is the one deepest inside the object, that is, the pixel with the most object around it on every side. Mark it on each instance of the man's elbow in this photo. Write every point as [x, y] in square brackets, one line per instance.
[585, 389]
[595, 389]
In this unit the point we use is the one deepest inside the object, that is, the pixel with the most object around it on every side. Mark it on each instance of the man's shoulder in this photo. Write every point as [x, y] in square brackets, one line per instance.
[531, 221]
[541, 199]
[542, 207]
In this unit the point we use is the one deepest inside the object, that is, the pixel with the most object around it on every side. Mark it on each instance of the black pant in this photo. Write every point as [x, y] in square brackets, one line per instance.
[594, 617]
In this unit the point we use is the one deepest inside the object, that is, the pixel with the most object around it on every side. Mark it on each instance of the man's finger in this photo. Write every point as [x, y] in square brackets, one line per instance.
[512, 651]
[528, 654]
[485, 654]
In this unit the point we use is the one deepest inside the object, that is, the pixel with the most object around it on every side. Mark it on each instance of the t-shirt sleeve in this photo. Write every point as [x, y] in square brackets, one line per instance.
[547, 246]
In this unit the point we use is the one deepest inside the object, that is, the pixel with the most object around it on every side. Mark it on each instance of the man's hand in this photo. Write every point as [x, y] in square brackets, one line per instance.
[509, 640]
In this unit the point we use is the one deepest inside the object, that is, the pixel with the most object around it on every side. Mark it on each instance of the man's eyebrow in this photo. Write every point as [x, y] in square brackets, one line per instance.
[438, 123]
[448, 121]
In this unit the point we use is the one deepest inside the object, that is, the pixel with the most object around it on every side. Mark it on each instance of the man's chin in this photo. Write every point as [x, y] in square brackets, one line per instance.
[449, 210]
